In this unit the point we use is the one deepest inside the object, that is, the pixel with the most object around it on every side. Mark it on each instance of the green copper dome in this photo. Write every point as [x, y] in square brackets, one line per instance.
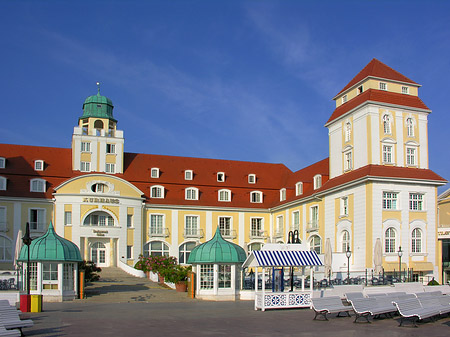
[217, 250]
[51, 247]
[98, 106]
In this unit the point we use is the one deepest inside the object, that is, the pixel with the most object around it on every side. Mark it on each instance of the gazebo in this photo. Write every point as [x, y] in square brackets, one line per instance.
[217, 265]
[53, 267]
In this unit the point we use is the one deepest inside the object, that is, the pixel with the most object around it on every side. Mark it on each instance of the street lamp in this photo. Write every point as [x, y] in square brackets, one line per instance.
[348, 253]
[400, 253]
[27, 242]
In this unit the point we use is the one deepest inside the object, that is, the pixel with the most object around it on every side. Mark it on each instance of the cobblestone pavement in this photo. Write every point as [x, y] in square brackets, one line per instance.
[121, 305]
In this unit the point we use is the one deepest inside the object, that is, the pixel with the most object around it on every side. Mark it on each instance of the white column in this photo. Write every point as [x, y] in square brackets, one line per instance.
[216, 279]
[256, 286]
[311, 280]
[303, 278]
[60, 278]
[263, 288]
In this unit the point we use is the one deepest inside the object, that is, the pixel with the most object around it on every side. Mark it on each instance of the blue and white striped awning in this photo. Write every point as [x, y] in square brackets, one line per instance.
[278, 258]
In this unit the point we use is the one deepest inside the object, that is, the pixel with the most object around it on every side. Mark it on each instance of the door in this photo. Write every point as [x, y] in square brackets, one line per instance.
[98, 254]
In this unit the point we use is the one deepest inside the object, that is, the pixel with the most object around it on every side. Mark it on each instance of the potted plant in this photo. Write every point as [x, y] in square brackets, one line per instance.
[178, 274]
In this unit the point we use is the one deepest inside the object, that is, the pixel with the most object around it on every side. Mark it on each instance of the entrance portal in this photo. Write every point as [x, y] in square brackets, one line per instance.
[98, 254]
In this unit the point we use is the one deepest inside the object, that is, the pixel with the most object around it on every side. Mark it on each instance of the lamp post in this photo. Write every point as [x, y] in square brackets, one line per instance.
[400, 253]
[348, 253]
[27, 242]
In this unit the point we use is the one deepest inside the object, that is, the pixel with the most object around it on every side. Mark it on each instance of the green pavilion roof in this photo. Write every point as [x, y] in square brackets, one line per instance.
[217, 250]
[98, 106]
[51, 247]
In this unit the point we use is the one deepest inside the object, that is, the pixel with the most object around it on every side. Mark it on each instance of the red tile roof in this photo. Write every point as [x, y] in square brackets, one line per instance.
[376, 68]
[373, 95]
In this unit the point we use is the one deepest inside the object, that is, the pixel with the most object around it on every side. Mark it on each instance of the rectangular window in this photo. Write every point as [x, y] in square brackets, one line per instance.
[390, 200]
[191, 226]
[68, 276]
[344, 99]
[129, 252]
[154, 173]
[405, 90]
[252, 178]
[110, 168]
[50, 271]
[3, 224]
[37, 185]
[33, 276]
[224, 195]
[280, 225]
[348, 160]
[387, 154]
[314, 217]
[344, 206]
[282, 194]
[206, 276]
[110, 148]
[156, 224]
[188, 174]
[224, 276]
[2, 162]
[67, 218]
[299, 188]
[296, 220]
[225, 225]
[85, 166]
[220, 177]
[37, 219]
[38, 165]
[360, 89]
[85, 147]
[256, 227]
[416, 202]
[383, 86]
[129, 220]
[2, 184]
[410, 156]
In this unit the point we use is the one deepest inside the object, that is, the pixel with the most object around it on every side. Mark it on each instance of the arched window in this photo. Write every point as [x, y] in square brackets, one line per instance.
[185, 250]
[191, 193]
[410, 127]
[348, 131]
[156, 248]
[416, 241]
[345, 241]
[5, 249]
[100, 188]
[315, 243]
[99, 219]
[98, 124]
[157, 192]
[254, 246]
[389, 240]
[387, 124]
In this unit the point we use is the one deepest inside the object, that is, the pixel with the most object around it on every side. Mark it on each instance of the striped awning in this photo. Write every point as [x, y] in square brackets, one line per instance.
[278, 258]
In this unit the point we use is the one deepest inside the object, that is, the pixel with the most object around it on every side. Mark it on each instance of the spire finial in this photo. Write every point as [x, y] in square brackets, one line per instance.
[98, 88]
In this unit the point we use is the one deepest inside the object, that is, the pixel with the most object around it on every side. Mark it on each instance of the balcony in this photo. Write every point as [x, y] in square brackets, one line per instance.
[159, 232]
[258, 234]
[312, 226]
[229, 234]
[193, 233]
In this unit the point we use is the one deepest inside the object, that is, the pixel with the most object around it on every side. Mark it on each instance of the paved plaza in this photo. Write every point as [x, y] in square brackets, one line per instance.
[121, 305]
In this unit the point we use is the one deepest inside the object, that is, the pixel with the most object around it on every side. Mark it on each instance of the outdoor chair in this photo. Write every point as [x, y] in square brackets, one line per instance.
[372, 307]
[412, 309]
[329, 305]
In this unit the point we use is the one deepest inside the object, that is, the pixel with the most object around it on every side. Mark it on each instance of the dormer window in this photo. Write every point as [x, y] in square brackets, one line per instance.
[383, 86]
[191, 193]
[2, 184]
[157, 192]
[221, 177]
[224, 195]
[188, 174]
[252, 178]
[154, 172]
[344, 98]
[360, 90]
[405, 90]
[37, 185]
[38, 165]
[317, 181]
[256, 196]
[283, 194]
[299, 188]
[2, 162]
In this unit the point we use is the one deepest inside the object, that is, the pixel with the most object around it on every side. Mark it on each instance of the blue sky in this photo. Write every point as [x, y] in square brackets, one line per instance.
[241, 80]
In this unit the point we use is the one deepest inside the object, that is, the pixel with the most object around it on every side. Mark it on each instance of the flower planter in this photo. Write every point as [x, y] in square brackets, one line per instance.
[181, 286]
[160, 278]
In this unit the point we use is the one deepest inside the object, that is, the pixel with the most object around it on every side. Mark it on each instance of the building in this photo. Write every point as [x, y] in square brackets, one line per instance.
[376, 184]
[444, 233]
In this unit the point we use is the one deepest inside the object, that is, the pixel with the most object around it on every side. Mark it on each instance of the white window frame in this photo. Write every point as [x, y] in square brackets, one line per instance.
[86, 147]
[299, 188]
[345, 240]
[279, 229]
[283, 194]
[224, 195]
[110, 168]
[344, 206]
[390, 242]
[256, 197]
[388, 153]
[38, 185]
[390, 200]
[188, 174]
[221, 177]
[383, 86]
[191, 193]
[315, 243]
[40, 225]
[360, 90]
[85, 166]
[405, 90]
[39, 165]
[130, 220]
[344, 99]
[157, 227]
[411, 156]
[348, 131]
[2, 162]
[110, 148]
[296, 220]
[158, 195]
[154, 172]
[416, 202]
[3, 183]
[67, 218]
[348, 160]
[317, 181]
[410, 127]
[129, 252]
[225, 224]
[256, 222]
[314, 220]
[387, 124]
[192, 228]
[252, 178]
[416, 241]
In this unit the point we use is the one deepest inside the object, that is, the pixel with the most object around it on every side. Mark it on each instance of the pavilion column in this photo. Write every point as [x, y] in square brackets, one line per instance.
[216, 279]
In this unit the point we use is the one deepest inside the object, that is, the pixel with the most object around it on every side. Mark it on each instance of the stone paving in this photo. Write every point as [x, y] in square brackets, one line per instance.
[121, 305]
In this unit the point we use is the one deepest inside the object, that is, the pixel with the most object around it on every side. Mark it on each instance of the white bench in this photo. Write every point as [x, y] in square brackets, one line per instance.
[329, 305]
[413, 310]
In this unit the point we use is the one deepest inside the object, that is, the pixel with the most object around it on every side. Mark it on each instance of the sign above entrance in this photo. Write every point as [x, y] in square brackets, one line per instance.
[101, 200]
[100, 232]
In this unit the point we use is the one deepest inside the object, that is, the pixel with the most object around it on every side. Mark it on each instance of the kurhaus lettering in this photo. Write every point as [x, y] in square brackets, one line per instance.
[101, 200]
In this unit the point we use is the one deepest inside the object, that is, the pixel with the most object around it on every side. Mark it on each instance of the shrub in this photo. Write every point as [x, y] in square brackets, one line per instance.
[176, 273]
[433, 282]
[90, 271]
